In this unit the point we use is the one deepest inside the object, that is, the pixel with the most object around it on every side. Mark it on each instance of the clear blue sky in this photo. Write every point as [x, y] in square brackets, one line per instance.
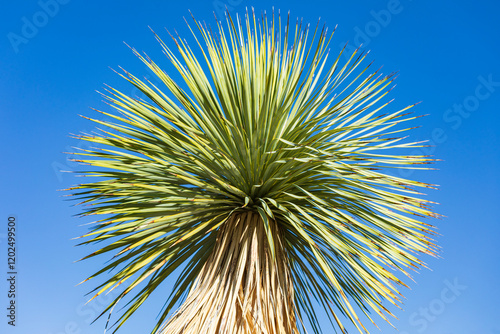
[54, 58]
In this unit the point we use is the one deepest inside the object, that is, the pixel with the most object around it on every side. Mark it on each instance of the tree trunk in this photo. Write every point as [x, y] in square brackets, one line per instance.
[240, 289]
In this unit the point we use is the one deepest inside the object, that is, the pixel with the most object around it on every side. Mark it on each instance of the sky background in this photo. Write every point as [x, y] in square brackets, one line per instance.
[55, 55]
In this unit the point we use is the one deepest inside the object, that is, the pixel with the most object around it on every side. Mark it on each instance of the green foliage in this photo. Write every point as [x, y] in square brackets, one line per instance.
[265, 121]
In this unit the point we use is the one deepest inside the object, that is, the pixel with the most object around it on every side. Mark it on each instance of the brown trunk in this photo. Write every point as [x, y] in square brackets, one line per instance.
[240, 289]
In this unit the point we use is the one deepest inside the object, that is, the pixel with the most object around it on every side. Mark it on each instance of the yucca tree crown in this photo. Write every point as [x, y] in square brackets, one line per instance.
[263, 176]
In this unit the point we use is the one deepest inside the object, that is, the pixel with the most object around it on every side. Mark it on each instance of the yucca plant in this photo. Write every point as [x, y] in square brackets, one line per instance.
[264, 179]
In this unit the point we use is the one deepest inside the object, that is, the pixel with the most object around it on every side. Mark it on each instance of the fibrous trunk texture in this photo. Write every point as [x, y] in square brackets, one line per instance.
[240, 289]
